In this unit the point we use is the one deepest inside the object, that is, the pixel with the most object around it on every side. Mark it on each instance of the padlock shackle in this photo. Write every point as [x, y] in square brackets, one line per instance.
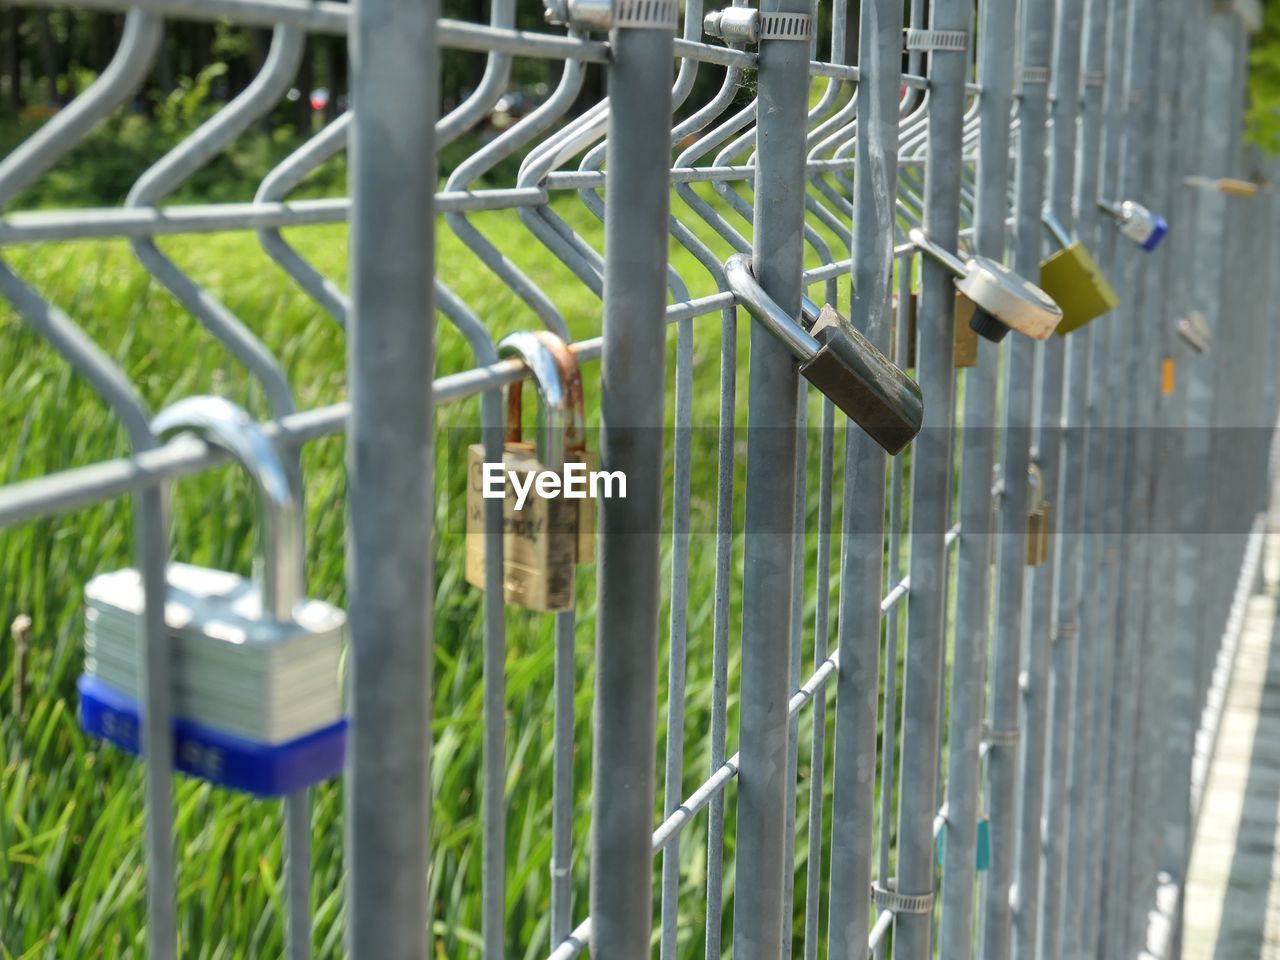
[1111, 208]
[935, 252]
[561, 402]
[744, 285]
[281, 553]
[1056, 229]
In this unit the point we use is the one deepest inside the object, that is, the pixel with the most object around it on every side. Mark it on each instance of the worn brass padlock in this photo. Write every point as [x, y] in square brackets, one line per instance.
[846, 367]
[1037, 520]
[1229, 186]
[1073, 278]
[1002, 300]
[964, 346]
[544, 537]
[256, 694]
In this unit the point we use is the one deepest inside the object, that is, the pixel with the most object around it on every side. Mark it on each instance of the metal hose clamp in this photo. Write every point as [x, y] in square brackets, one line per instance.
[603, 15]
[748, 25]
[952, 41]
[886, 897]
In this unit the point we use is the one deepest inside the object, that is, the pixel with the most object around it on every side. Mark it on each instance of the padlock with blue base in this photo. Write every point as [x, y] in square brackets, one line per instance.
[1074, 280]
[1137, 223]
[255, 681]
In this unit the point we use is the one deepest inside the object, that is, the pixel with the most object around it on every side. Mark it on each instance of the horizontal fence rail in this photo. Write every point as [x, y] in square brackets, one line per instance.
[814, 694]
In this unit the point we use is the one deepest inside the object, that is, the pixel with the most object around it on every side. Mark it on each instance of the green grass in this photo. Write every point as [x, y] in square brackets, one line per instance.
[71, 861]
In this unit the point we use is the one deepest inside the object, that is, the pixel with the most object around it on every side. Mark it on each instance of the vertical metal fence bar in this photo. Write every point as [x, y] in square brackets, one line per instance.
[998, 914]
[973, 579]
[931, 490]
[862, 538]
[777, 255]
[1048, 682]
[1106, 592]
[1133, 495]
[1082, 497]
[390, 477]
[720, 627]
[633, 375]
[1159, 726]
[681, 484]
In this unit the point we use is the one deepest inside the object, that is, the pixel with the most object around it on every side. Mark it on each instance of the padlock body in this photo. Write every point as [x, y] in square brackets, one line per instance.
[1073, 278]
[964, 352]
[540, 541]
[262, 769]
[265, 681]
[1038, 534]
[864, 383]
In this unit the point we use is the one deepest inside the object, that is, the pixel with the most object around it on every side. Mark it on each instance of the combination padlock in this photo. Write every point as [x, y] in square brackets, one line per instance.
[1137, 223]
[544, 538]
[1073, 278]
[846, 367]
[1038, 520]
[1002, 300]
[257, 698]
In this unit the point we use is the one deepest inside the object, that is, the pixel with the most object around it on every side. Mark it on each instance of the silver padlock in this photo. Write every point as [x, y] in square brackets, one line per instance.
[256, 693]
[1195, 332]
[1137, 223]
[1004, 300]
[865, 384]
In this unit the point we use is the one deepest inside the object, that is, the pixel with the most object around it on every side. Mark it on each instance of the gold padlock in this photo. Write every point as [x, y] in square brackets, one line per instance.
[1037, 520]
[964, 348]
[964, 351]
[545, 535]
[1073, 278]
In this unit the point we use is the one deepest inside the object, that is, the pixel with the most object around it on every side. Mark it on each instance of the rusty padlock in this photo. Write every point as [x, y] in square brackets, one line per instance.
[1073, 278]
[847, 368]
[545, 535]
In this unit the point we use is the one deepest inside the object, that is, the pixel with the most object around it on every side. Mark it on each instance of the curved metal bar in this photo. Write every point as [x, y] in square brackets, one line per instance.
[325, 145]
[190, 155]
[123, 75]
[128, 68]
[220, 422]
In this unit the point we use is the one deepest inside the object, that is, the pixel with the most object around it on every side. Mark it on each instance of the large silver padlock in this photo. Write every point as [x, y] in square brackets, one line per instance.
[257, 699]
[1003, 300]
[846, 367]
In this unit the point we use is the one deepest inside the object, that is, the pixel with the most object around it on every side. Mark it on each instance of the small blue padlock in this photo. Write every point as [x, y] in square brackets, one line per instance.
[1136, 222]
[256, 693]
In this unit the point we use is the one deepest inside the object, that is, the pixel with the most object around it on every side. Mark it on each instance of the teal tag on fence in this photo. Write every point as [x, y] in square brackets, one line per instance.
[983, 852]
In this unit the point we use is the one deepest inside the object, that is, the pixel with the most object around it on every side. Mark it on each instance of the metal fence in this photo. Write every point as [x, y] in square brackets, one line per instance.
[960, 704]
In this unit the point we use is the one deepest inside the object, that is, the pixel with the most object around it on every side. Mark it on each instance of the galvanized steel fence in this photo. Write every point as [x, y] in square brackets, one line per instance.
[963, 707]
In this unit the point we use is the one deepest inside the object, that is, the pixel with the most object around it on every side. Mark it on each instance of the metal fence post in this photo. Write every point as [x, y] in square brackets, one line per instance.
[931, 489]
[633, 375]
[777, 255]
[1002, 756]
[1049, 661]
[390, 474]
[862, 540]
[977, 456]
[1064, 870]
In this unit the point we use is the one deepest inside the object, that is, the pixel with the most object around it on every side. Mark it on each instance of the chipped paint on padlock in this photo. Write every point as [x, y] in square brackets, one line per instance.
[545, 540]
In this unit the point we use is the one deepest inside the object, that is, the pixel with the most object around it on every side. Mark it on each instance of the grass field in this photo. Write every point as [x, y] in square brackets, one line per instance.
[71, 863]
